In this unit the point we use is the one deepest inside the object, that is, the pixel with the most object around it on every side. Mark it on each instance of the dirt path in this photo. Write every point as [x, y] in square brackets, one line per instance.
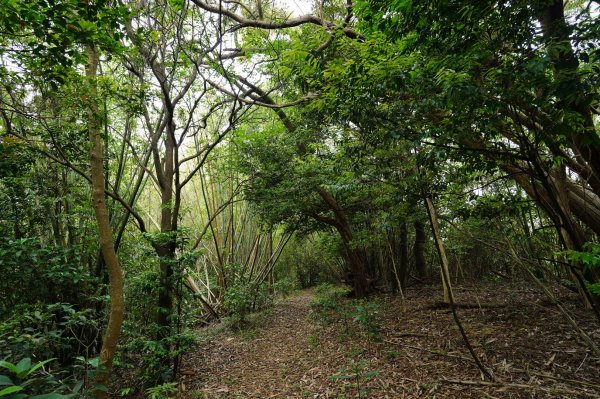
[267, 362]
[287, 354]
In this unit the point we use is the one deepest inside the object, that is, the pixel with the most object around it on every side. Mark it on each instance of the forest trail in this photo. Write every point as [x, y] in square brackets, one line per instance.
[271, 361]
[289, 353]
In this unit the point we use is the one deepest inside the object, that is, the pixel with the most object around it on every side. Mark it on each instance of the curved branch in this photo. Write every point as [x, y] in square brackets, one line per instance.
[271, 25]
[263, 100]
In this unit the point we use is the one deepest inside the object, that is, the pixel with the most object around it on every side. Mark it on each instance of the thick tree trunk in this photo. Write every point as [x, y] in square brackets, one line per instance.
[115, 274]
[355, 262]
[557, 35]
[353, 255]
[166, 246]
[165, 291]
[555, 197]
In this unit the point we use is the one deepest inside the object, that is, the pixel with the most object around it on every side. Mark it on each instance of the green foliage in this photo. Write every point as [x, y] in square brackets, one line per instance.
[594, 288]
[395, 116]
[141, 289]
[590, 259]
[331, 305]
[43, 331]
[162, 391]
[365, 314]
[357, 374]
[150, 355]
[327, 302]
[56, 274]
[243, 296]
[23, 380]
[148, 347]
[53, 34]
[23, 368]
[285, 286]
[500, 214]
[238, 300]
[309, 261]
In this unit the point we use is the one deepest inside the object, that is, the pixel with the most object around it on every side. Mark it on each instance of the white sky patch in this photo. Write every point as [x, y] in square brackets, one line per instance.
[296, 7]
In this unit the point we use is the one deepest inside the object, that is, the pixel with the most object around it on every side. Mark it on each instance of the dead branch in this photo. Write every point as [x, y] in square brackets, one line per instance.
[552, 390]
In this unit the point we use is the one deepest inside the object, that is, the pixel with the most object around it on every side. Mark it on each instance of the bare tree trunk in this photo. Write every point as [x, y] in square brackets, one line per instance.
[353, 255]
[270, 262]
[115, 274]
[439, 243]
[403, 272]
[419, 250]
[166, 245]
[387, 257]
[448, 295]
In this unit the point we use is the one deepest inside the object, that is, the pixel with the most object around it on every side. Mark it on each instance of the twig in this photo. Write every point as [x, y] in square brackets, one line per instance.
[553, 377]
[583, 361]
[563, 391]
[409, 334]
[468, 359]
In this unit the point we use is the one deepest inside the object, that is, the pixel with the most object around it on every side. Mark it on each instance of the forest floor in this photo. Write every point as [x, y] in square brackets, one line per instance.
[407, 351]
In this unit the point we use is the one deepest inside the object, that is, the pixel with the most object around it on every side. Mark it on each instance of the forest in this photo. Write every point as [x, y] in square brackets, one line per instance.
[299, 199]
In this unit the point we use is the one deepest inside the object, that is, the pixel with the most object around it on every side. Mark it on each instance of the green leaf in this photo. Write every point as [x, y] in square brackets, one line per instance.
[8, 366]
[100, 387]
[86, 25]
[77, 387]
[94, 362]
[38, 365]
[9, 390]
[370, 374]
[52, 395]
[4, 380]
[22, 368]
[594, 288]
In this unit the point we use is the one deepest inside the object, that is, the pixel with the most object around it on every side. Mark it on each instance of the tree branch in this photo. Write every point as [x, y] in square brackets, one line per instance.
[271, 25]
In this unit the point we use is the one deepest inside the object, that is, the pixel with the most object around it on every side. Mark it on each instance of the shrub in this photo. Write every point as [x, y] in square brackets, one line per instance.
[326, 302]
[153, 356]
[55, 330]
[365, 315]
[23, 379]
[241, 298]
[53, 274]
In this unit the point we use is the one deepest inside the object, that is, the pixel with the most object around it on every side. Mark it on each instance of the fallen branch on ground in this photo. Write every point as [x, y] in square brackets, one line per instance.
[551, 390]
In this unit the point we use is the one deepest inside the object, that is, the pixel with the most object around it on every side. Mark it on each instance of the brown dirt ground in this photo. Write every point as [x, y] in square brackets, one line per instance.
[521, 337]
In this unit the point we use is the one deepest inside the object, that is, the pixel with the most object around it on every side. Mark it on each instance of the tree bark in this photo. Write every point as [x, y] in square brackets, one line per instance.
[556, 33]
[353, 255]
[403, 272]
[166, 245]
[448, 295]
[419, 250]
[439, 243]
[115, 274]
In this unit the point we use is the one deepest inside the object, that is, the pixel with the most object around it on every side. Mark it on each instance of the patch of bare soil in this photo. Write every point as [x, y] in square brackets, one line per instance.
[521, 337]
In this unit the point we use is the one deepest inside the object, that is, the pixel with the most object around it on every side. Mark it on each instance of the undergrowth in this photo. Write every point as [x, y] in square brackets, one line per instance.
[357, 316]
